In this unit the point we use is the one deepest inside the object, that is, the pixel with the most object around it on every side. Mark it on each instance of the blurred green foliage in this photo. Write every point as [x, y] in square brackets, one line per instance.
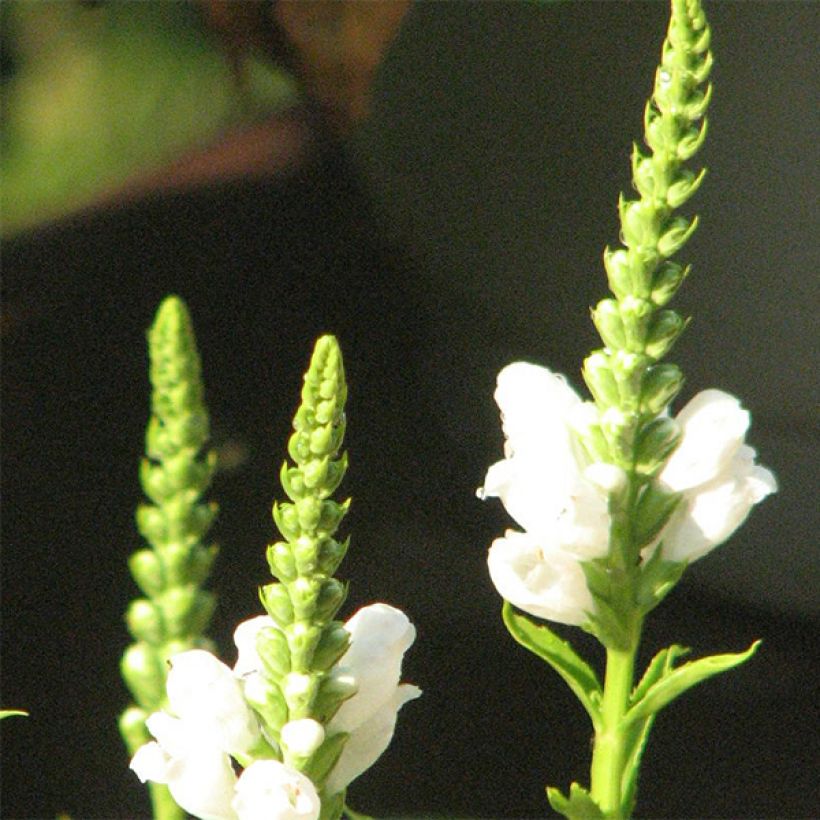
[93, 94]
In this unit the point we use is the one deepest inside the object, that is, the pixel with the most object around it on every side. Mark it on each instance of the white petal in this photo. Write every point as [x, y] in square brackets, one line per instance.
[713, 425]
[709, 515]
[368, 742]
[151, 762]
[544, 581]
[269, 790]
[202, 690]
[379, 637]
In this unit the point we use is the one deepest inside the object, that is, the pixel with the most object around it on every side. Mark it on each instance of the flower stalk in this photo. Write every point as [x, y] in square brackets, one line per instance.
[175, 474]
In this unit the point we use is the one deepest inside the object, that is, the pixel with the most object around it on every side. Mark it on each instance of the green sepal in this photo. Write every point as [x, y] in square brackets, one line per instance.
[543, 642]
[684, 186]
[273, 709]
[331, 553]
[666, 281]
[331, 597]
[324, 758]
[653, 510]
[333, 691]
[676, 681]
[676, 234]
[332, 807]
[578, 806]
[274, 652]
[663, 332]
[657, 579]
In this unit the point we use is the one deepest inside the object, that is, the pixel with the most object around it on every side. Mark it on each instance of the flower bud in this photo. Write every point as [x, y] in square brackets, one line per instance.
[186, 610]
[664, 331]
[300, 691]
[151, 523]
[331, 553]
[274, 652]
[309, 510]
[684, 187]
[666, 281]
[655, 442]
[287, 521]
[304, 593]
[331, 597]
[676, 234]
[144, 673]
[305, 549]
[607, 319]
[301, 738]
[144, 621]
[147, 572]
[618, 272]
[333, 690]
[132, 728]
[636, 313]
[315, 472]
[292, 483]
[281, 562]
[277, 603]
[332, 514]
[599, 378]
[661, 383]
[332, 644]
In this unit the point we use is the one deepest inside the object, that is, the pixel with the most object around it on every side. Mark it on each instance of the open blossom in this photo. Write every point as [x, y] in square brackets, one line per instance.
[561, 502]
[269, 790]
[715, 471]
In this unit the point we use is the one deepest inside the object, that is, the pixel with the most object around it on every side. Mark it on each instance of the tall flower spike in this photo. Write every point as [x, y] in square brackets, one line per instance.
[174, 475]
[298, 656]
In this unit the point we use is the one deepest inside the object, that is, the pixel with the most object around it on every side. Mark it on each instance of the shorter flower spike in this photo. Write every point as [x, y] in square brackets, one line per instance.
[174, 475]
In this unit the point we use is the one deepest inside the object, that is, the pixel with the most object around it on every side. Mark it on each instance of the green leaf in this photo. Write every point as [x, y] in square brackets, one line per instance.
[637, 735]
[579, 805]
[676, 681]
[4, 713]
[542, 641]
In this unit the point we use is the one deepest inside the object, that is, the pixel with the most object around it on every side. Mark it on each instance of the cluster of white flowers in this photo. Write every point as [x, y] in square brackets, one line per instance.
[212, 722]
[561, 501]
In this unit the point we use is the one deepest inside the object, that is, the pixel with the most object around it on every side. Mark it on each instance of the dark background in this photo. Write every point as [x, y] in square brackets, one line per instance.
[460, 229]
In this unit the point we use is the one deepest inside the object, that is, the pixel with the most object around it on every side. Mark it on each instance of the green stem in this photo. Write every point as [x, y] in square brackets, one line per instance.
[164, 806]
[609, 753]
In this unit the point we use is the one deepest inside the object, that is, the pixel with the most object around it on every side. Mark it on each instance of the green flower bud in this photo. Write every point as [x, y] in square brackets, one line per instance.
[640, 224]
[286, 519]
[151, 523]
[304, 594]
[281, 562]
[132, 728]
[666, 281]
[300, 691]
[144, 674]
[663, 333]
[147, 571]
[332, 692]
[636, 314]
[652, 512]
[598, 375]
[302, 640]
[305, 554]
[309, 509]
[277, 603]
[661, 383]
[676, 234]
[324, 759]
[655, 441]
[333, 643]
[618, 272]
[332, 515]
[144, 621]
[685, 186]
[315, 472]
[610, 326]
[293, 482]
[331, 596]
[331, 553]
[270, 703]
[186, 610]
[274, 652]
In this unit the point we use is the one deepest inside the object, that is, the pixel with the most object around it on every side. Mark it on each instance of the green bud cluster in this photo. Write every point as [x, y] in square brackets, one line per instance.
[630, 384]
[174, 475]
[305, 598]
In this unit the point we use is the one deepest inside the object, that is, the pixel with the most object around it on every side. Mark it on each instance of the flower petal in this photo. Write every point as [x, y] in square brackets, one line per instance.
[546, 582]
[379, 637]
[369, 741]
[269, 790]
[202, 690]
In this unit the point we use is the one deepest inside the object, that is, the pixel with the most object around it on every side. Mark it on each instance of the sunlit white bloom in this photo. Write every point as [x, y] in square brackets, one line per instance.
[547, 583]
[716, 473]
[197, 772]
[543, 484]
[269, 790]
[379, 637]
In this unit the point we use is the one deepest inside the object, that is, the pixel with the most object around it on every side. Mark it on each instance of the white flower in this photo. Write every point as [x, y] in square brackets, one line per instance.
[379, 637]
[269, 790]
[198, 773]
[191, 752]
[541, 481]
[561, 503]
[716, 473]
[547, 583]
